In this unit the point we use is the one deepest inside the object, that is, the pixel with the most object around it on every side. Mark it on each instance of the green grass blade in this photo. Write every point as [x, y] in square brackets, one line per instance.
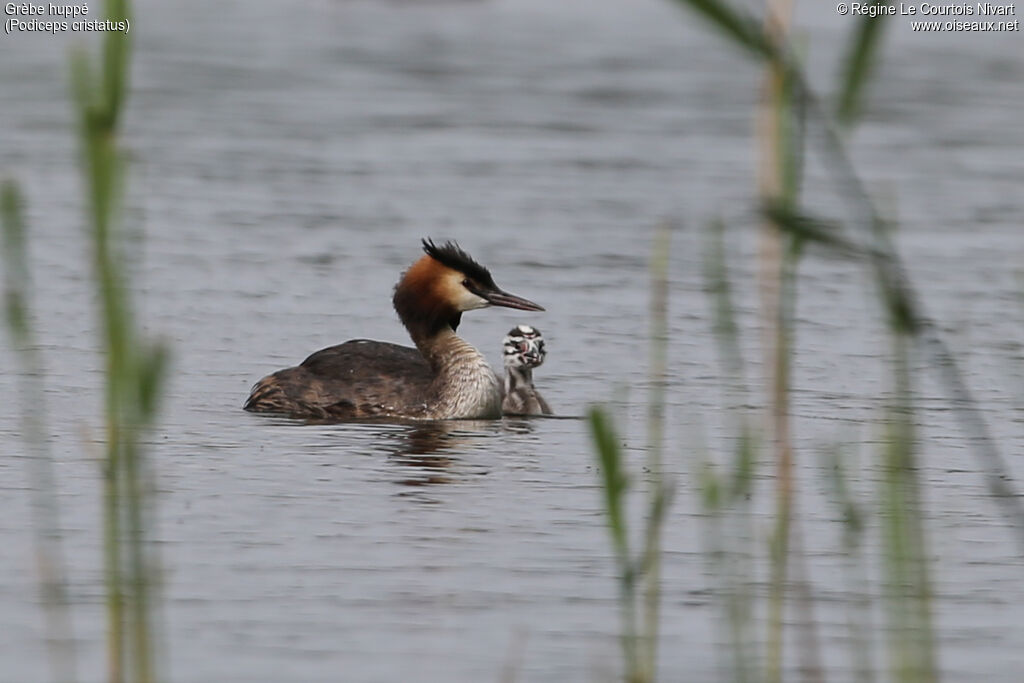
[134, 368]
[116, 59]
[659, 491]
[614, 484]
[743, 29]
[151, 372]
[807, 228]
[613, 477]
[719, 288]
[45, 513]
[14, 263]
[855, 570]
[896, 296]
[856, 67]
[910, 636]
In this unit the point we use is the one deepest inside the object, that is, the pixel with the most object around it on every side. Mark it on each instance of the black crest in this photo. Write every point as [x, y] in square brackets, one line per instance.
[524, 332]
[454, 257]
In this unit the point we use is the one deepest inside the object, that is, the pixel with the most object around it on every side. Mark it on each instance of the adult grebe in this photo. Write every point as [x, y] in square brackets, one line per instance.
[443, 377]
[523, 351]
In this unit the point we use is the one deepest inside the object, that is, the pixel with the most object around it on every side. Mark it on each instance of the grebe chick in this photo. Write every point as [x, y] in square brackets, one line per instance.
[524, 351]
[444, 377]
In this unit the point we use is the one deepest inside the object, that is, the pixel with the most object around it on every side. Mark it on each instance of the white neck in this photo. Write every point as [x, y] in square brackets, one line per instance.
[464, 385]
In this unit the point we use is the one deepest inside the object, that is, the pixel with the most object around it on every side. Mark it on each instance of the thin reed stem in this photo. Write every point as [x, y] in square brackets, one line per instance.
[855, 569]
[658, 492]
[727, 498]
[45, 511]
[908, 588]
[133, 367]
[777, 184]
[640, 577]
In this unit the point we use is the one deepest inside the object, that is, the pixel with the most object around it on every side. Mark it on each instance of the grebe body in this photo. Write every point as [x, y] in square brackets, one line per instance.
[444, 377]
[523, 350]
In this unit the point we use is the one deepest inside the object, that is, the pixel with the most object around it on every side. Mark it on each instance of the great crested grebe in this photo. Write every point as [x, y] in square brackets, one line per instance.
[444, 377]
[523, 351]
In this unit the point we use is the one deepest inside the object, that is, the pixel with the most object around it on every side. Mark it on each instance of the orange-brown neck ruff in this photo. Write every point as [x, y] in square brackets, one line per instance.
[423, 299]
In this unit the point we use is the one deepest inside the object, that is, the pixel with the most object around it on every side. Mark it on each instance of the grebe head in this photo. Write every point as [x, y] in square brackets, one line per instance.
[524, 347]
[436, 290]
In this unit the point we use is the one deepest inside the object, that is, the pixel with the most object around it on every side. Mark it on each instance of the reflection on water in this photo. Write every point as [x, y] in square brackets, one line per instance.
[430, 449]
[433, 449]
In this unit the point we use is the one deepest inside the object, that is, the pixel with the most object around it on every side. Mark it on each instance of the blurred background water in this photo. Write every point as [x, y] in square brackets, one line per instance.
[286, 158]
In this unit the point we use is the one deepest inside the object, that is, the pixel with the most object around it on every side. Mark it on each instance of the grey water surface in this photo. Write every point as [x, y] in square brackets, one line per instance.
[286, 159]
